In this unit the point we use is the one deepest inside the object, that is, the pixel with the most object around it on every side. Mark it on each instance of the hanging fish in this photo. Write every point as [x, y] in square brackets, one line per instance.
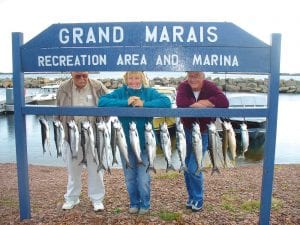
[92, 140]
[197, 147]
[232, 141]
[59, 136]
[135, 142]
[181, 145]
[84, 141]
[225, 145]
[150, 145]
[45, 131]
[99, 145]
[73, 138]
[113, 143]
[165, 142]
[212, 146]
[121, 141]
[244, 138]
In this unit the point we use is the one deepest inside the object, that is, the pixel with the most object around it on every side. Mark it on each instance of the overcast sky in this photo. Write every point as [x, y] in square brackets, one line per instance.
[261, 18]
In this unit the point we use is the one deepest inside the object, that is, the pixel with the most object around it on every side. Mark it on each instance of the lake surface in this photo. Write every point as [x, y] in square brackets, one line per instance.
[287, 141]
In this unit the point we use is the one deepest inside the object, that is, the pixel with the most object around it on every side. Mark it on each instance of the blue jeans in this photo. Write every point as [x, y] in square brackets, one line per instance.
[194, 183]
[137, 180]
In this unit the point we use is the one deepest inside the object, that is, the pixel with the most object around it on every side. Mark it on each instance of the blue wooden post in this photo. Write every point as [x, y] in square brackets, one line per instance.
[20, 128]
[269, 152]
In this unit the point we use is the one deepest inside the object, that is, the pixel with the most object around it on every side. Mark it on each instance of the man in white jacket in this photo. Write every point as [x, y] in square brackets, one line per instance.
[81, 91]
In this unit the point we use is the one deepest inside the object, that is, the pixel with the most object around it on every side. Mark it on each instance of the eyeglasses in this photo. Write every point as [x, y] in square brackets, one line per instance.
[78, 76]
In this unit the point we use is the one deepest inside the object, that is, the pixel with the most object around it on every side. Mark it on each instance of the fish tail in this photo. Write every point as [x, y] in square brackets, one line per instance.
[109, 170]
[114, 161]
[100, 167]
[140, 163]
[199, 170]
[170, 167]
[84, 162]
[151, 168]
[128, 165]
[183, 168]
[215, 169]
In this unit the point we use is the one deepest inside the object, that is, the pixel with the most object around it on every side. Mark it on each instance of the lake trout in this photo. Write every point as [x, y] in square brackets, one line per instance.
[244, 138]
[232, 141]
[99, 145]
[197, 147]
[73, 138]
[135, 142]
[150, 145]
[45, 131]
[225, 145]
[91, 140]
[212, 146]
[181, 145]
[106, 149]
[84, 141]
[59, 136]
[121, 141]
[165, 142]
[113, 143]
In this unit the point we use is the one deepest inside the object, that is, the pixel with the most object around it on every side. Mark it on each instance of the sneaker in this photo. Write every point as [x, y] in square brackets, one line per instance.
[143, 211]
[133, 210]
[70, 204]
[98, 206]
[197, 206]
[189, 204]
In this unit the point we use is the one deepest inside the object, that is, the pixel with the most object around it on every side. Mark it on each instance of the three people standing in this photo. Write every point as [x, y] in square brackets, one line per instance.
[194, 92]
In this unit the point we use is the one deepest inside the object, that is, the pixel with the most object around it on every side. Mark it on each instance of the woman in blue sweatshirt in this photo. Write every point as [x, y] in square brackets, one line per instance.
[136, 93]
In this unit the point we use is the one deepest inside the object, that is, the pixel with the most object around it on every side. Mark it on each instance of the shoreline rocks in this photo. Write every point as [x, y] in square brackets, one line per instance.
[251, 84]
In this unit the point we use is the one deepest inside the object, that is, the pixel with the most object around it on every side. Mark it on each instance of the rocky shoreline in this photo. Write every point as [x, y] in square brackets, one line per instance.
[251, 85]
[231, 198]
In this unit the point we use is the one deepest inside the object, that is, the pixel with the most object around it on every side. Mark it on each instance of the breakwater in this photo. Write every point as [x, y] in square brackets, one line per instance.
[250, 84]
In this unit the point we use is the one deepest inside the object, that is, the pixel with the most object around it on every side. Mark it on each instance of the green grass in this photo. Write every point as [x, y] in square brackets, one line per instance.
[168, 175]
[232, 203]
[229, 202]
[170, 216]
[250, 205]
[9, 202]
[117, 210]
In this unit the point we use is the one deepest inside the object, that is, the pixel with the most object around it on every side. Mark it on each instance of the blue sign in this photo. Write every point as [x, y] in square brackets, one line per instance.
[170, 46]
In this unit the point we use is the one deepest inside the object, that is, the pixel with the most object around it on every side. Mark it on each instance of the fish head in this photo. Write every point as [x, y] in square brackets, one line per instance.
[56, 123]
[196, 127]
[86, 125]
[163, 126]
[148, 126]
[243, 126]
[132, 125]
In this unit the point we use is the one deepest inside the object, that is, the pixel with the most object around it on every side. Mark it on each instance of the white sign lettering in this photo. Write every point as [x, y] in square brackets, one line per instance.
[71, 60]
[216, 60]
[78, 35]
[131, 59]
[179, 34]
[170, 59]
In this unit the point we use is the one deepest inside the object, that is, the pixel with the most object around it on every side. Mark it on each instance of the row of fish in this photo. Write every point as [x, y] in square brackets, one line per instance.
[104, 142]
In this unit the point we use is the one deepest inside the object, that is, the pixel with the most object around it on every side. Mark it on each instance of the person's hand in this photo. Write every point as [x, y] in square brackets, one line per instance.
[202, 104]
[132, 99]
[138, 103]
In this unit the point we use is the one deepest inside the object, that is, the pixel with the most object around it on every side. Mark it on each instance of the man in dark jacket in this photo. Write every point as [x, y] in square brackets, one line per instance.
[196, 92]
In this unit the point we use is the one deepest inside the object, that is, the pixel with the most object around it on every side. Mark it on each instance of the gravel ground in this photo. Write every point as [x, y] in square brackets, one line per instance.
[231, 197]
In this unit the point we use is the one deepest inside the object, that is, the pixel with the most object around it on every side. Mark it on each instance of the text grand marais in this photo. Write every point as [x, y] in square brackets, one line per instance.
[115, 34]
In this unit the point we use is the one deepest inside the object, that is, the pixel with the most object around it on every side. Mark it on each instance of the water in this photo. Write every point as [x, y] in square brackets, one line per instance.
[287, 141]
